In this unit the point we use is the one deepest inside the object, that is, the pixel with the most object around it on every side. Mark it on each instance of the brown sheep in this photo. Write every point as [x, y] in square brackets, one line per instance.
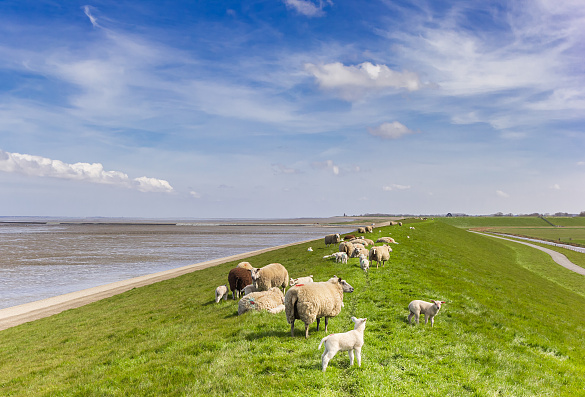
[238, 278]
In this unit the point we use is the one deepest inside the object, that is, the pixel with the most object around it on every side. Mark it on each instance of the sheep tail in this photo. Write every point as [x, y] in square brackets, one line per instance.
[322, 341]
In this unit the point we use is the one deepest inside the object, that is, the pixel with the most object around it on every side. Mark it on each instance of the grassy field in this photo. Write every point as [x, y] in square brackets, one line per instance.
[564, 235]
[510, 327]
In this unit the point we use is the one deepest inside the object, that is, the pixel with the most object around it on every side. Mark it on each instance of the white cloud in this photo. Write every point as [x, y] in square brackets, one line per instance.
[306, 7]
[353, 82]
[395, 187]
[581, 163]
[92, 19]
[502, 194]
[195, 194]
[26, 164]
[393, 130]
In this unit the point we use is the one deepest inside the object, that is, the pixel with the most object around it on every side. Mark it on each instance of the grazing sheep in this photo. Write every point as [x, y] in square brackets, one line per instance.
[364, 263]
[379, 254]
[346, 247]
[332, 239]
[313, 301]
[249, 289]
[399, 223]
[261, 300]
[361, 229]
[351, 341]
[412, 227]
[430, 310]
[238, 278]
[349, 237]
[221, 292]
[272, 275]
[369, 229]
[387, 240]
[245, 265]
[301, 280]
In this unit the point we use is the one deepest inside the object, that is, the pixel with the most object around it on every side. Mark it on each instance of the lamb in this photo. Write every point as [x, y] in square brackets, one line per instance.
[361, 230]
[301, 280]
[379, 254]
[430, 310]
[245, 265]
[369, 229]
[221, 292]
[364, 263]
[351, 341]
[249, 289]
[277, 309]
[359, 250]
[238, 278]
[313, 301]
[272, 275]
[387, 240]
[261, 300]
[332, 239]
[310, 249]
[338, 256]
[346, 247]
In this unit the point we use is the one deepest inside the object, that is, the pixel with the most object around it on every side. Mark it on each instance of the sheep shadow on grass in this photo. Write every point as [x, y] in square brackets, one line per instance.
[268, 333]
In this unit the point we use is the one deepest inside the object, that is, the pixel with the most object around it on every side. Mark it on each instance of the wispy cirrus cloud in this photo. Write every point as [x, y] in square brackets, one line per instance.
[393, 130]
[307, 7]
[26, 164]
[394, 186]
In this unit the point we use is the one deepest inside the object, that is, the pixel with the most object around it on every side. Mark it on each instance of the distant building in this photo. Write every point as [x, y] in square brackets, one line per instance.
[449, 215]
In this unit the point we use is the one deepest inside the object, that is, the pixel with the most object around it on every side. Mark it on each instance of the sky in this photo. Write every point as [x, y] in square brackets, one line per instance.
[291, 108]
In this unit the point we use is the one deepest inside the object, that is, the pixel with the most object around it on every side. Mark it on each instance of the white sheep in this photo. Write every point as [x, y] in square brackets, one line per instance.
[245, 265]
[341, 258]
[361, 230]
[261, 300]
[387, 240]
[364, 263]
[336, 255]
[332, 239]
[310, 249]
[272, 275]
[351, 341]
[249, 289]
[346, 247]
[277, 309]
[430, 310]
[313, 301]
[369, 229]
[221, 292]
[301, 280]
[379, 254]
[359, 250]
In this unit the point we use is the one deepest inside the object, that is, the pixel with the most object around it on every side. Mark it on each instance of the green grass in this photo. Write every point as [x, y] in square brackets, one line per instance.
[565, 221]
[486, 221]
[511, 326]
[563, 235]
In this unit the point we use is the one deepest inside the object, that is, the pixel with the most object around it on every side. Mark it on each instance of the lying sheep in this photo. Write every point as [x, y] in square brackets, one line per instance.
[351, 341]
[364, 263]
[248, 289]
[369, 229]
[387, 240]
[332, 239]
[379, 255]
[221, 292]
[238, 278]
[346, 247]
[272, 275]
[277, 309]
[361, 229]
[301, 280]
[430, 310]
[348, 237]
[245, 265]
[313, 301]
[261, 300]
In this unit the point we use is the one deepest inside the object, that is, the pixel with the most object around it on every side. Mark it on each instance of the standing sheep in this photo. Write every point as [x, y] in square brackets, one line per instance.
[238, 278]
[379, 254]
[361, 229]
[348, 341]
[262, 300]
[332, 239]
[312, 301]
[221, 292]
[272, 275]
[369, 229]
[430, 310]
[364, 263]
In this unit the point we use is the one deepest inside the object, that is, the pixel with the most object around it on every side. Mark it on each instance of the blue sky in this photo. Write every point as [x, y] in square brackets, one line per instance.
[291, 108]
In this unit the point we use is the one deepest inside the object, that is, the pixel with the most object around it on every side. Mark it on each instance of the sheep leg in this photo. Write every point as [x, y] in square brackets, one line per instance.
[358, 356]
[318, 321]
[432, 321]
[410, 317]
[292, 329]
[326, 322]
[327, 355]
[350, 354]
[306, 331]
[426, 319]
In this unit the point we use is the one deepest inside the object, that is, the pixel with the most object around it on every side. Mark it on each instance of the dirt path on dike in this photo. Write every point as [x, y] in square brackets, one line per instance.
[16, 315]
[556, 256]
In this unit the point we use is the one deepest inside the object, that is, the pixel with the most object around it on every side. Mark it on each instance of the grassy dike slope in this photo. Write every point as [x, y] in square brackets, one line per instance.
[505, 330]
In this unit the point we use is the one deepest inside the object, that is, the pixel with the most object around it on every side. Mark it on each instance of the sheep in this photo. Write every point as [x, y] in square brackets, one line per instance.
[379, 254]
[238, 278]
[346, 247]
[249, 289]
[301, 280]
[221, 292]
[369, 229]
[261, 300]
[332, 239]
[351, 341]
[364, 263]
[412, 228]
[272, 275]
[399, 223]
[361, 230]
[277, 309]
[245, 265]
[310, 249]
[364, 241]
[430, 310]
[387, 240]
[348, 237]
[312, 301]
[338, 256]
[342, 258]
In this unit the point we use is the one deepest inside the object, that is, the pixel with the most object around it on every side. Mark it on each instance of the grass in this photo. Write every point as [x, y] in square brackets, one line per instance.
[510, 327]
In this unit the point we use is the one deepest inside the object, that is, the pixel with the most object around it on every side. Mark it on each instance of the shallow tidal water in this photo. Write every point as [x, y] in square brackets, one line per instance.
[39, 261]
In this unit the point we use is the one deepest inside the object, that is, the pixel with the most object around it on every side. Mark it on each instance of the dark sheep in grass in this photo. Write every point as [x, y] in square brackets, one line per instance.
[349, 237]
[238, 278]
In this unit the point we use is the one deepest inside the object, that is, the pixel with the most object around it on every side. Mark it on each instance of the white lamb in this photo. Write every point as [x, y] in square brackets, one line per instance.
[301, 280]
[221, 292]
[364, 263]
[348, 341]
[341, 258]
[417, 307]
[248, 289]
